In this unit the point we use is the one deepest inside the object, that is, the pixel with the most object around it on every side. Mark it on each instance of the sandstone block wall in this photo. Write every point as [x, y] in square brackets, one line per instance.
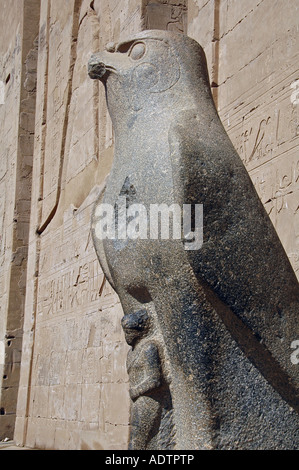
[62, 352]
[73, 387]
[18, 59]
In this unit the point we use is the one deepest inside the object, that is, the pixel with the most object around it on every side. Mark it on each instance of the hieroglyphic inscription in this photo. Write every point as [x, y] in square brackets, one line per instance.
[260, 135]
[277, 183]
[266, 138]
[267, 142]
[70, 277]
[284, 179]
[166, 14]
[77, 286]
[261, 140]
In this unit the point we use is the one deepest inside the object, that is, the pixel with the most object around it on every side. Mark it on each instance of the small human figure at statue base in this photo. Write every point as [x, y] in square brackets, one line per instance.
[148, 389]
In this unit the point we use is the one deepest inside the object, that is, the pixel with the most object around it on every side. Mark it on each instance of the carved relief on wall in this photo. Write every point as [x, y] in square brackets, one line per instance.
[169, 15]
[264, 128]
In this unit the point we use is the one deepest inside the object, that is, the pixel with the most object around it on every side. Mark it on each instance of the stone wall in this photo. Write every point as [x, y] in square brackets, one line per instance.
[57, 149]
[73, 387]
[18, 58]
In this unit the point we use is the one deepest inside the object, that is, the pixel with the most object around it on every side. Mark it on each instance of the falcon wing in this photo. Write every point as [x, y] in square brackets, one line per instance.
[242, 265]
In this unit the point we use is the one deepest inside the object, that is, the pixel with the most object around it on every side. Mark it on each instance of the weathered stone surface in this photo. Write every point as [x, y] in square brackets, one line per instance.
[18, 59]
[168, 15]
[211, 330]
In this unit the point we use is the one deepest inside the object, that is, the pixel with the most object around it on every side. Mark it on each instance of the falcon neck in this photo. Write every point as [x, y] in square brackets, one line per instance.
[156, 114]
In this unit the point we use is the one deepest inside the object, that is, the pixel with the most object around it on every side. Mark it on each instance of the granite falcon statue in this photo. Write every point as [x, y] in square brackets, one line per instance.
[216, 360]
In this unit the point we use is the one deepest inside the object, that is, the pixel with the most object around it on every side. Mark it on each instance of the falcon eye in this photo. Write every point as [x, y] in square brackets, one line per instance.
[137, 51]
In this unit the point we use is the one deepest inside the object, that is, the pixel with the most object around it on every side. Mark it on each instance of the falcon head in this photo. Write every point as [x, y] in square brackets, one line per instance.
[144, 67]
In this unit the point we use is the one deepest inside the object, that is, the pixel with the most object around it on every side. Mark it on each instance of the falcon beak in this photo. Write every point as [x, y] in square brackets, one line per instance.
[98, 68]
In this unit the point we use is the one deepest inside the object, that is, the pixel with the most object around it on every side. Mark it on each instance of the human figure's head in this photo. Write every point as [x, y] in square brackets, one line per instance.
[135, 325]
